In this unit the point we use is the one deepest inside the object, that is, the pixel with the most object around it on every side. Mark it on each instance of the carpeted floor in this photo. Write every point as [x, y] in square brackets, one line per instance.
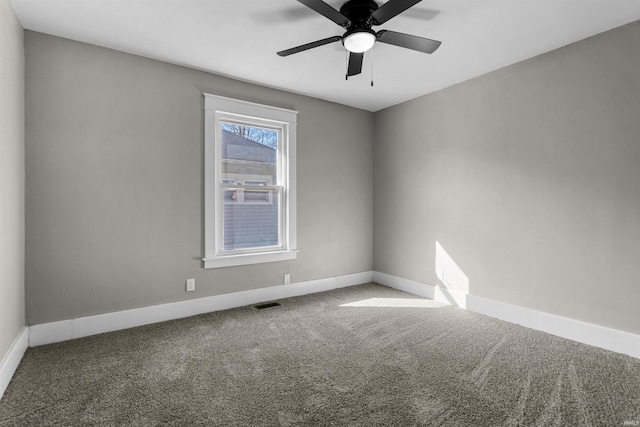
[336, 358]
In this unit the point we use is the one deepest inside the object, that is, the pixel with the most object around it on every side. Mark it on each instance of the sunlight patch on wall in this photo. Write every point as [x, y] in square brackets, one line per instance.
[456, 283]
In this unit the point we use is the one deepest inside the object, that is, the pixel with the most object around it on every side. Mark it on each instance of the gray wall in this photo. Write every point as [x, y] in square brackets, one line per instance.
[12, 317]
[529, 177]
[114, 202]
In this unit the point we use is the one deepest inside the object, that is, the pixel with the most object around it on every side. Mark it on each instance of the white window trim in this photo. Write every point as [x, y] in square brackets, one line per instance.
[217, 108]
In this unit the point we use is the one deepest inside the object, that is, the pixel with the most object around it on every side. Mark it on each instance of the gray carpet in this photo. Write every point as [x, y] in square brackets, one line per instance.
[316, 361]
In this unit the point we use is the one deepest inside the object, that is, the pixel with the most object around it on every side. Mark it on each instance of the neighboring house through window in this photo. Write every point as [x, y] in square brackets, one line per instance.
[249, 183]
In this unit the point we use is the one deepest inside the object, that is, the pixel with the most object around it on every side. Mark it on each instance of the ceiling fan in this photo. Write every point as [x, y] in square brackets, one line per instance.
[357, 17]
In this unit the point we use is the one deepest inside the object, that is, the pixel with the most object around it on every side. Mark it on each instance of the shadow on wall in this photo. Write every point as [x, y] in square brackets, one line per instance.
[455, 284]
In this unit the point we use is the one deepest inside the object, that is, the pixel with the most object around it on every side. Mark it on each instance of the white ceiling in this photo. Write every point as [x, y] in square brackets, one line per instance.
[240, 38]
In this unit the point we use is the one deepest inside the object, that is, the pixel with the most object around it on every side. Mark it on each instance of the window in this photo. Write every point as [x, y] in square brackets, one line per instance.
[250, 213]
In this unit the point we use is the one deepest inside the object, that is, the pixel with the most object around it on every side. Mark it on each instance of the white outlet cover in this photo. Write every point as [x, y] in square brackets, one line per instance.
[191, 285]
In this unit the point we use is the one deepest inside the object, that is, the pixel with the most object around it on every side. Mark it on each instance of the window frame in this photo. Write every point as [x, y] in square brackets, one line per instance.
[220, 109]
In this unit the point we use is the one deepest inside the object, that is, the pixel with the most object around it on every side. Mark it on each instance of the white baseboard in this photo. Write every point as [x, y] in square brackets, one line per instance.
[586, 333]
[64, 330]
[595, 335]
[12, 359]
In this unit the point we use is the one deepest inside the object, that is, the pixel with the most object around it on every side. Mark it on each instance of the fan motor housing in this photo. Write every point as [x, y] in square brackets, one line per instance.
[359, 12]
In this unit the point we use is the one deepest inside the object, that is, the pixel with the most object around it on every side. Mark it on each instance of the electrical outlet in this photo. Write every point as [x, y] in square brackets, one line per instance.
[191, 285]
[286, 279]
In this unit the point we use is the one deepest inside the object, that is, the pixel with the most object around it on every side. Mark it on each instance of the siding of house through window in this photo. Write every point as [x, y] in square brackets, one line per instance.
[251, 218]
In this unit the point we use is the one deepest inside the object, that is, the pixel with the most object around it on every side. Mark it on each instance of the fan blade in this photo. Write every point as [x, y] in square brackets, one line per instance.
[408, 41]
[391, 9]
[309, 46]
[355, 64]
[327, 11]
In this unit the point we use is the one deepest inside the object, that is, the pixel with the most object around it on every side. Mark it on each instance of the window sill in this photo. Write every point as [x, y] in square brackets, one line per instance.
[246, 259]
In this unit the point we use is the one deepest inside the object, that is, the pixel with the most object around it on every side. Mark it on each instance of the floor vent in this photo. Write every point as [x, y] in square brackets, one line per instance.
[266, 305]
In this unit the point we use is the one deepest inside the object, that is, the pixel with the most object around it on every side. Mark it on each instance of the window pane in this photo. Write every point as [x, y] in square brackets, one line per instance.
[252, 225]
[251, 217]
[249, 152]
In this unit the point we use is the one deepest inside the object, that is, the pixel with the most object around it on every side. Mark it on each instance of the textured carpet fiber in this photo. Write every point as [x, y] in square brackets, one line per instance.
[366, 356]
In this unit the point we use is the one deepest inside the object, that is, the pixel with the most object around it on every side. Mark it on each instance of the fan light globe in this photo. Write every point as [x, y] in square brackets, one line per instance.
[359, 42]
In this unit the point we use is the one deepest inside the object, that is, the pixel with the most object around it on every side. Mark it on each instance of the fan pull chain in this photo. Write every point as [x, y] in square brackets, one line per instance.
[372, 66]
